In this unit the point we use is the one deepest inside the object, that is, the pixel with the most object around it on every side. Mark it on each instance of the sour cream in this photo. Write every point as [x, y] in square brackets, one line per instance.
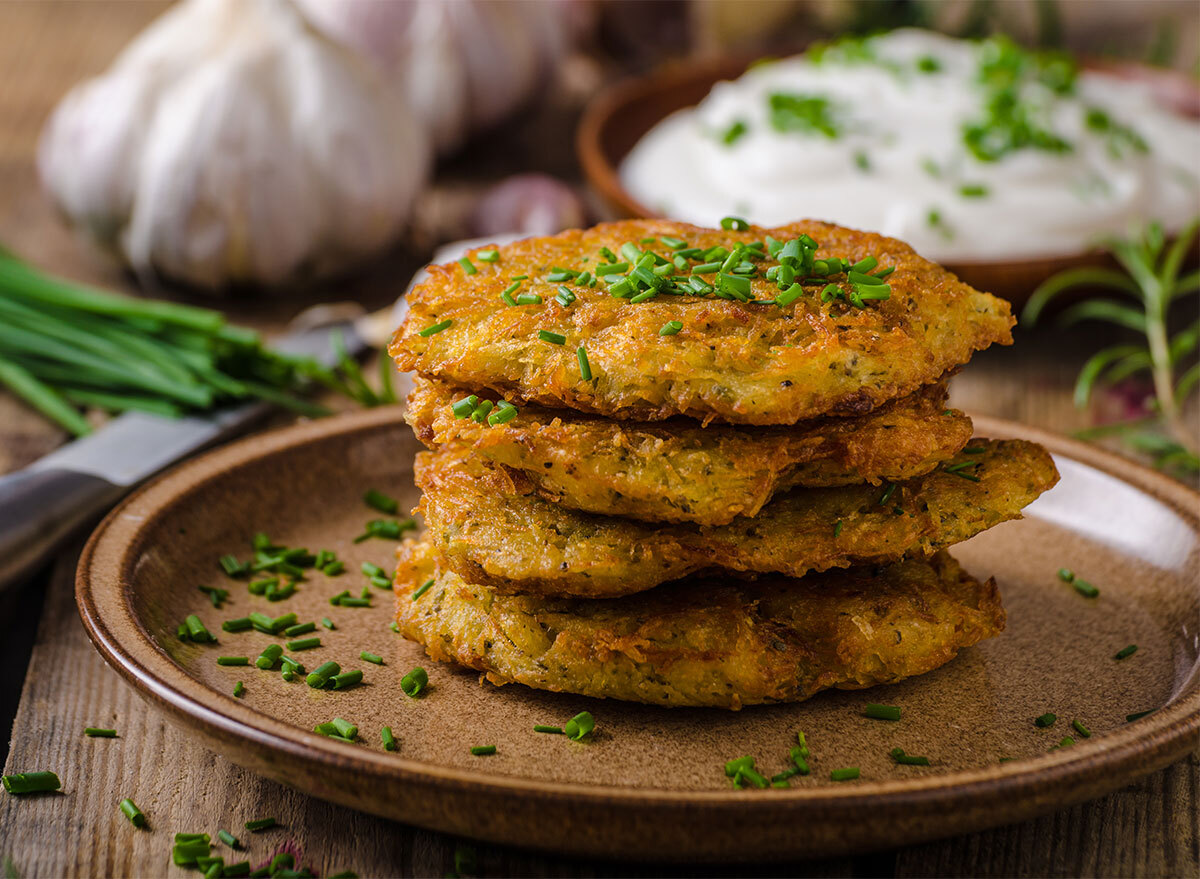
[874, 140]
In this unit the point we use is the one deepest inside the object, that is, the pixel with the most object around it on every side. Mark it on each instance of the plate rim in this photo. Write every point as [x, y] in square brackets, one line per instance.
[1077, 773]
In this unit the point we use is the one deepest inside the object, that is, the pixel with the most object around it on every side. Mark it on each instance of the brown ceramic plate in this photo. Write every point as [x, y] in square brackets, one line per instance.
[620, 115]
[650, 782]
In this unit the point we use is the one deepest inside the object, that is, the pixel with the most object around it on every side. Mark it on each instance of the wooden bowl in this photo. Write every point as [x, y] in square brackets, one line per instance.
[650, 782]
[623, 113]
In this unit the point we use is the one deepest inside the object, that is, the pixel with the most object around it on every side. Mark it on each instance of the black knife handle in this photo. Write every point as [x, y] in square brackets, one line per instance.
[41, 508]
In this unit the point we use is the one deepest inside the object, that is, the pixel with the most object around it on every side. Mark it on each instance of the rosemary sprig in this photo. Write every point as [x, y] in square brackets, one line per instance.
[1153, 281]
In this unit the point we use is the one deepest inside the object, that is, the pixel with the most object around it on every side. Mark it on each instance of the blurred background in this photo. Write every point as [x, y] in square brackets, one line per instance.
[265, 157]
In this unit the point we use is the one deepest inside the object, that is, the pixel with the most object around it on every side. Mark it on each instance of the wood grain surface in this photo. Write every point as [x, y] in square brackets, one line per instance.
[1148, 829]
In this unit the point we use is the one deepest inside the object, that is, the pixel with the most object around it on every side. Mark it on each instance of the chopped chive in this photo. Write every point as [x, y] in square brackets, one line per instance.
[320, 676]
[738, 764]
[957, 471]
[388, 529]
[261, 622]
[614, 268]
[229, 839]
[670, 328]
[241, 624]
[790, 295]
[706, 268]
[238, 689]
[503, 413]
[414, 682]
[433, 329]
[394, 626]
[1066, 575]
[906, 760]
[887, 493]
[260, 824]
[1045, 720]
[299, 629]
[355, 602]
[973, 190]
[371, 657]
[97, 732]
[468, 266]
[579, 725]
[371, 569]
[1084, 588]
[1138, 715]
[643, 296]
[565, 297]
[132, 812]
[529, 299]
[1065, 742]
[519, 278]
[673, 243]
[552, 338]
[192, 837]
[464, 407]
[483, 750]
[423, 588]
[850, 772]
[585, 369]
[30, 782]
[185, 854]
[303, 644]
[267, 659]
[346, 680]
[487, 255]
[215, 595]
[558, 277]
[735, 224]
[837, 528]
[259, 587]
[327, 623]
[380, 501]
[1125, 652]
[389, 740]
[881, 712]
[233, 567]
[233, 660]
[1081, 729]
[196, 630]
[541, 727]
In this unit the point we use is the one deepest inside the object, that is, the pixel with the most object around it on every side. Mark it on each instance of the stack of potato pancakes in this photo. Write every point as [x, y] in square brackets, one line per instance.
[690, 466]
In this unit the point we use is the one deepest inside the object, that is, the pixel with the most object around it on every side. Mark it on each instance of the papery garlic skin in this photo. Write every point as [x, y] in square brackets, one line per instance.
[463, 64]
[233, 143]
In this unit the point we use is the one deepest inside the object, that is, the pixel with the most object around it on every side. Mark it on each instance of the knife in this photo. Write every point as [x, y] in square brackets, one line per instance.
[44, 504]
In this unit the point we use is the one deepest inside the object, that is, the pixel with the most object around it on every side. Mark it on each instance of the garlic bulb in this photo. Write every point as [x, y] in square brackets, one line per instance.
[231, 142]
[463, 64]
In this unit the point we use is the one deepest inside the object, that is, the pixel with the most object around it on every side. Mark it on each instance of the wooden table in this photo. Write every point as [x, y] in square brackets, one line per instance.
[1147, 829]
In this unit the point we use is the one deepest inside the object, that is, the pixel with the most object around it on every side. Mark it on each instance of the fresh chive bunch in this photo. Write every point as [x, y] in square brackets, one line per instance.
[66, 346]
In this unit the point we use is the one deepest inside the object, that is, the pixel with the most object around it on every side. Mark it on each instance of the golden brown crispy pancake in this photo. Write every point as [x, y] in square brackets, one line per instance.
[744, 363]
[492, 528]
[721, 643]
[678, 471]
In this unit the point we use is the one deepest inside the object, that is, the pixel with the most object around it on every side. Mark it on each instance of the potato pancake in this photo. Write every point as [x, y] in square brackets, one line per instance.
[722, 643]
[678, 471]
[742, 359]
[492, 528]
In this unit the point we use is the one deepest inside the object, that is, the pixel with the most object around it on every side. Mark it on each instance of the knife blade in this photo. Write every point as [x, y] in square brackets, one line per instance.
[49, 500]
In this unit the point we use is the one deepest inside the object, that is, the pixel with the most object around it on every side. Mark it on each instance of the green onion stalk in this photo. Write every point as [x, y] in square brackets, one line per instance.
[65, 346]
[1153, 279]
